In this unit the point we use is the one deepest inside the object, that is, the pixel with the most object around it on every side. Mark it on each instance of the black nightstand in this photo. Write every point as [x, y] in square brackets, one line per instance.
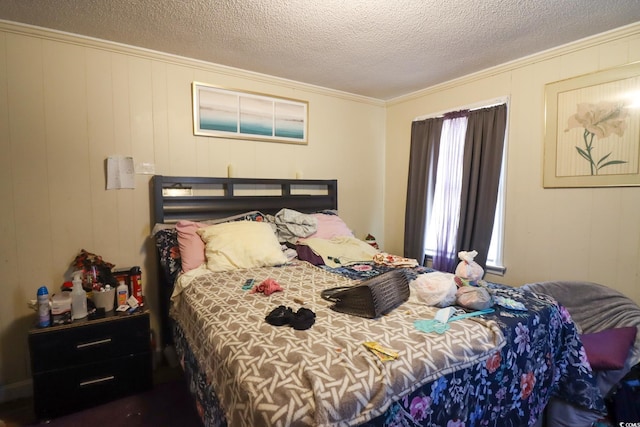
[89, 362]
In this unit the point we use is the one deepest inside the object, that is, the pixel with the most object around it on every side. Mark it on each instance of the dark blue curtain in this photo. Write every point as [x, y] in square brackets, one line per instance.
[423, 166]
[478, 187]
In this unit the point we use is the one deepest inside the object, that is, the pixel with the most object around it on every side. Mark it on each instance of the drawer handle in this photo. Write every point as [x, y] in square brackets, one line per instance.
[92, 343]
[97, 380]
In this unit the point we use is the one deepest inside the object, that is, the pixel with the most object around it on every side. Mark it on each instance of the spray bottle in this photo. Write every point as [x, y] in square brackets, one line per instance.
[78, 297]
[44, 319]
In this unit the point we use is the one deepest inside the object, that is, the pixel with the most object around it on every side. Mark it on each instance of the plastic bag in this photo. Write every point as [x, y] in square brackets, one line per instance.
[468, 269]
[474, 298]
[435, 289]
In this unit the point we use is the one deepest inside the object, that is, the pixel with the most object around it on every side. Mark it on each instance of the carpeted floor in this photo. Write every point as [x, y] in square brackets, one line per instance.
[168, 404]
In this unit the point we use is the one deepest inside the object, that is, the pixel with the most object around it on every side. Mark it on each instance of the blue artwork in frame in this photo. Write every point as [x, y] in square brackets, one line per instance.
[226, 113]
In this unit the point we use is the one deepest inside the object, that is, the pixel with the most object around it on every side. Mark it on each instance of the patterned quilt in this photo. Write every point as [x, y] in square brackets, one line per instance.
[323, 376]
[498, 369]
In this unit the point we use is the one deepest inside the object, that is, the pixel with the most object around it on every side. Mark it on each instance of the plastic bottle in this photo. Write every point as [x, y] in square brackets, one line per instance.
[136, 284]
[78, 297]
[122, 293]
[44, 317]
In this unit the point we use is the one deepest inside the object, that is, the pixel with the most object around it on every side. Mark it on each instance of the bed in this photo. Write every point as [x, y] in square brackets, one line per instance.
[500, 368]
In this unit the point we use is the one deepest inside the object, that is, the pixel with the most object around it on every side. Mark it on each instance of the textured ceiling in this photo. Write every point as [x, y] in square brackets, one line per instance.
[375, 48]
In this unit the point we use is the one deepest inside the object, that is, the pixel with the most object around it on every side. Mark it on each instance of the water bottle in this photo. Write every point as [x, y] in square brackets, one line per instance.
[44, 319]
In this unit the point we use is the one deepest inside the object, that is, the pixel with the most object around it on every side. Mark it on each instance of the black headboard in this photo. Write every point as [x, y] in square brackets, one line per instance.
[221, 197]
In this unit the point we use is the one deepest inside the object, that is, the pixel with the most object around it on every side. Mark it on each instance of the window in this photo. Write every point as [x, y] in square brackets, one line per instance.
[446, 197]
[445, 212]
[494, 257]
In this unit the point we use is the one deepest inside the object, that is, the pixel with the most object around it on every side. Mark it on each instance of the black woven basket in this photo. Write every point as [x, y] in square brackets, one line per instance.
[372, 297]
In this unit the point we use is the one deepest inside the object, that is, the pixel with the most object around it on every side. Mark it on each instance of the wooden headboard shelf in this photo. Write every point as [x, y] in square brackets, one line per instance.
[221, 197]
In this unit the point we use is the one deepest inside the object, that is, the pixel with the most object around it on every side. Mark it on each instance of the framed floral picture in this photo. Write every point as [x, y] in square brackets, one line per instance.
[226, 113]
[592, 130]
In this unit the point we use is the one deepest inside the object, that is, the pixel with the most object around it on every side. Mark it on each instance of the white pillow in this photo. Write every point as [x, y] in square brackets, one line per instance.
[241, 245]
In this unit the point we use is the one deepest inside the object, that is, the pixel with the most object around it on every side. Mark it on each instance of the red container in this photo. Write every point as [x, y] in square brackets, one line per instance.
[135, 275]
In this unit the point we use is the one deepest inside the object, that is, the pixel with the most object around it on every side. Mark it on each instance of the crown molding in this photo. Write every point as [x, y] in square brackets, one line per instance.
[61, 36]
[79, 40]
[588, 42]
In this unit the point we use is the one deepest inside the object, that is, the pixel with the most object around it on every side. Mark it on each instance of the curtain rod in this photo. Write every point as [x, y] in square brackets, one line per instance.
[471, 107]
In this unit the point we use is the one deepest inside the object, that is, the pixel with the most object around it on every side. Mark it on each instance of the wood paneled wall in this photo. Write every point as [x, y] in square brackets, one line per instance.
[585, 234]
[67, 103]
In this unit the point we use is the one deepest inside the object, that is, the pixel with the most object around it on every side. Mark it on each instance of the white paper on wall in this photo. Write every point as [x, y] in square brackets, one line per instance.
[120, 172]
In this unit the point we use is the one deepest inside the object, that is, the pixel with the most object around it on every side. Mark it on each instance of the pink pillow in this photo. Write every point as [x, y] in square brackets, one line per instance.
[329, 226]
[609, 349]
[190, 244]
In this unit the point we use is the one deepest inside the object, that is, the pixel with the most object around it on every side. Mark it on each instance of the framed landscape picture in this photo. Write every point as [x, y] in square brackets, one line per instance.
[225, 113]
[592, 130]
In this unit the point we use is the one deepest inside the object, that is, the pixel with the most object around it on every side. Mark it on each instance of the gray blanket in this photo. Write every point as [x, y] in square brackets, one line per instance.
[593, 308]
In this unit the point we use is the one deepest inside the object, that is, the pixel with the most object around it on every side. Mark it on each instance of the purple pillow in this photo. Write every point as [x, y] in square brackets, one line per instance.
[609, 349]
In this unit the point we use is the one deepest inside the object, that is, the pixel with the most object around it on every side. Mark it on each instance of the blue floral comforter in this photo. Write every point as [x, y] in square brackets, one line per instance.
[543, 357]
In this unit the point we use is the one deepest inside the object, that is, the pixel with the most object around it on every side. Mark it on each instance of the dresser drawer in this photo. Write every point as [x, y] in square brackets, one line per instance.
[90, 342]
[62, 391]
